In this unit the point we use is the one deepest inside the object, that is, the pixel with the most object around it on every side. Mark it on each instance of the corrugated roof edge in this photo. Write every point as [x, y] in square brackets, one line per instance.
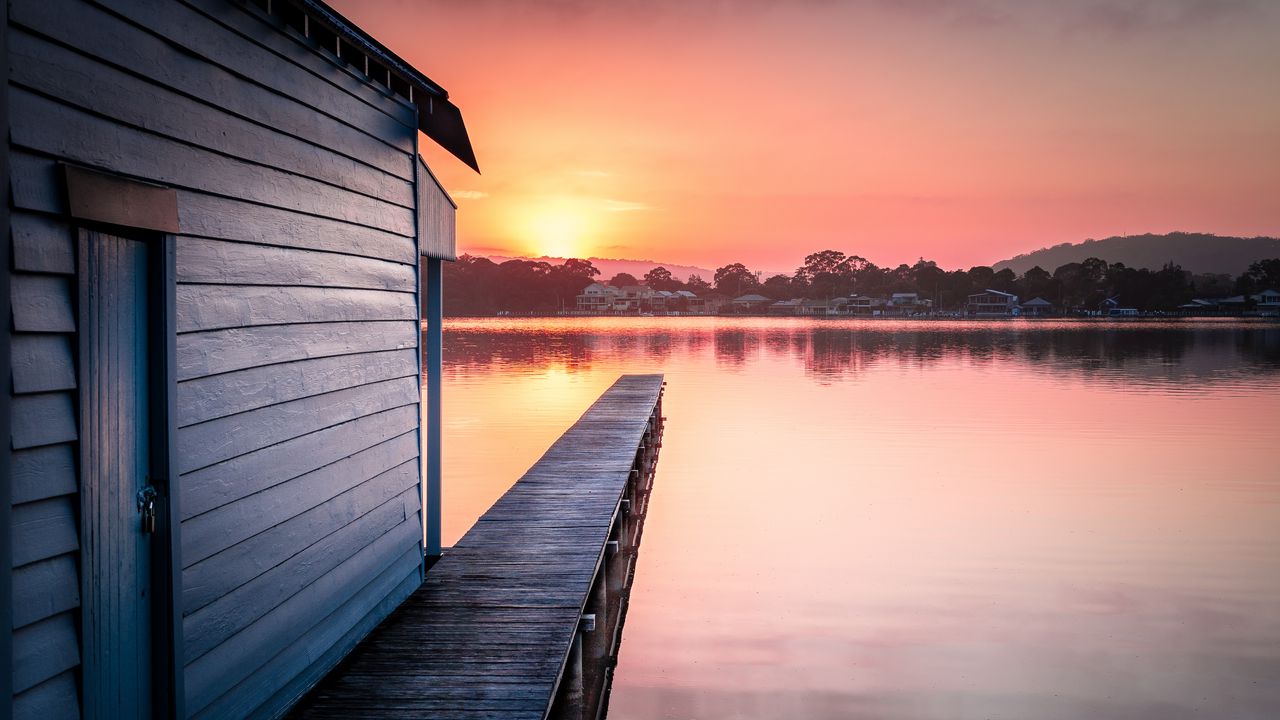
[438, 118]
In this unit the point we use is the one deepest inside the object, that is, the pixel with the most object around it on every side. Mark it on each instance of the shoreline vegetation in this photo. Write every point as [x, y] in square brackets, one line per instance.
[830, 283]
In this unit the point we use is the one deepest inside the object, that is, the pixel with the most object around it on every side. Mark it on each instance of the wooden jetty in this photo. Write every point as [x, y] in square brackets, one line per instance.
[522, 617]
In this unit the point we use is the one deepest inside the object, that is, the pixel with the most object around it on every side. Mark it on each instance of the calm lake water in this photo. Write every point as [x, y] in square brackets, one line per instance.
[918, 520]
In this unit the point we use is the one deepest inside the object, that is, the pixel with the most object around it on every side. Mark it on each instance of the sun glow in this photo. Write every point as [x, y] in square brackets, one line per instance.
[557, 227]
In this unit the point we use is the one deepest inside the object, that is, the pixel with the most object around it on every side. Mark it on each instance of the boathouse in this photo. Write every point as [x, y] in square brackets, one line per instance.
[214, 480]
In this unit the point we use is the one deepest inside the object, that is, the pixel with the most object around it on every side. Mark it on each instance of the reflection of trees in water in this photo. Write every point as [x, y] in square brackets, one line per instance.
[732, 346]
[1154, 354]
[832, 352]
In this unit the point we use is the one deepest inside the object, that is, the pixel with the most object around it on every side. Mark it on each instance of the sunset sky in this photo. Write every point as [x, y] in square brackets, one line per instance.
[709, 131]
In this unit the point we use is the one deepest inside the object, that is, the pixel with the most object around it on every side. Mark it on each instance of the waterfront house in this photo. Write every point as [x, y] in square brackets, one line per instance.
[632, 298]
[212, 485]
[992, 303]
[786, 307]
[907, 304]
[681, 300]
[866, 305]
[1200, 306]
[1037, 307]
[750, 303]
[661, 301]
[823, 307]
[596, 298]
[708, 304]
[1267, 301]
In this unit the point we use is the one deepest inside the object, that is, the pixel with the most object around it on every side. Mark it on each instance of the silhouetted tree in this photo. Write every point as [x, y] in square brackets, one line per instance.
[824, 274]
[981, 277]
[1037, 282]
[777, 287]
[661, 278]
[478, 286]
[1005, 281]
[1261, 275]
[928, 278]
[697, 285]
[570, 278]
[735, 279]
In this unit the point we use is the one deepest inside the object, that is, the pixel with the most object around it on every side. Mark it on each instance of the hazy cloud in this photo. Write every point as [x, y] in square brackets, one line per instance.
[624, 206]
[468, 194]
[591, 173]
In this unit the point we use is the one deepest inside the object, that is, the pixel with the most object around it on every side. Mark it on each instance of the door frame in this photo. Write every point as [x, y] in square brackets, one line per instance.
[98, 201]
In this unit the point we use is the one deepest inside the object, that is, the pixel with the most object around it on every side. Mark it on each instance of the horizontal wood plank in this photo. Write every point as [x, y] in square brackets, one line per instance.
[67, 132]
[57, 698]
[282, 511]
[223, 218]
[43, 472]
[218, 396]
[44, 650]
[42, 419]
[238, 658]
[273, 59]
[42, 245]
[58, 71]
[218, 307]
[218, 440]
[210, 625]
[44, 529]
[220, 351]
[231, 263]
[123, 44]
[42, 303]
[227, 482]
[42, 363]
[331, 641]
[44, 589]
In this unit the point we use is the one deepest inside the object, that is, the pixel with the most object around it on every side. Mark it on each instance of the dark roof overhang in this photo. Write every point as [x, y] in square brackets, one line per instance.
[438, 118]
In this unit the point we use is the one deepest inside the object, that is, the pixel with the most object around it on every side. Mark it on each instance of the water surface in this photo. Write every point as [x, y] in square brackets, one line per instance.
[918, 520]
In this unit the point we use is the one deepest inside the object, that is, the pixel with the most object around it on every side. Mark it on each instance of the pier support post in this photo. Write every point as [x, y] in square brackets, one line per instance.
[596, 643]
[574, 697]
[434, 361]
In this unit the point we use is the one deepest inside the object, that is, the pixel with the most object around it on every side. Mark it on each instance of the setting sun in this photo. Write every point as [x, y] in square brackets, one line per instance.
[555, 227]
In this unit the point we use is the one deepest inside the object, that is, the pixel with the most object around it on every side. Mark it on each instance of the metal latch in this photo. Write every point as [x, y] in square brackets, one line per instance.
[147, 508]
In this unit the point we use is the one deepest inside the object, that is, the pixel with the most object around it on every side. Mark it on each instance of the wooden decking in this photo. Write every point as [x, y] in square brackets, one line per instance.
[505, 620]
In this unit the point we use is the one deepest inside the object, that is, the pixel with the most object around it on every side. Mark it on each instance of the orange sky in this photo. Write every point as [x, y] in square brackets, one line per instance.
[710, 131]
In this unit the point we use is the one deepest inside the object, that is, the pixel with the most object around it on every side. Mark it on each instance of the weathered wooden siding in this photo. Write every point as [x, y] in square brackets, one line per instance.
[436, 217]
[297, 336]
[46, 542]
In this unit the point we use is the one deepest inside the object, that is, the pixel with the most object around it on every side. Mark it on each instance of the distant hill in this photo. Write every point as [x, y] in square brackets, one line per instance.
[609, 267]
[1197, 252]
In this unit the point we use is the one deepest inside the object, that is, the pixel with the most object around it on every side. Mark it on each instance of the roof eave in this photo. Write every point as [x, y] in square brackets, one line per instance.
[438, 118]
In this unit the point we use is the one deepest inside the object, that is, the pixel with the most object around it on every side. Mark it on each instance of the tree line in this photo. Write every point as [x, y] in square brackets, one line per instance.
[479, 286]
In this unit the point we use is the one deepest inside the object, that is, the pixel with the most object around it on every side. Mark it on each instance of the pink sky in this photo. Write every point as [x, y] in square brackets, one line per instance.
[707, 131]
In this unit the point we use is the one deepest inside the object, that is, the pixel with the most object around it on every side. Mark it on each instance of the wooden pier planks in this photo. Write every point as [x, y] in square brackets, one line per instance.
[487, 635]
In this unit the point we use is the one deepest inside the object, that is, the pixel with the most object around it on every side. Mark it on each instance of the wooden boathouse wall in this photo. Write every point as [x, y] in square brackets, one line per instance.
[297, 342]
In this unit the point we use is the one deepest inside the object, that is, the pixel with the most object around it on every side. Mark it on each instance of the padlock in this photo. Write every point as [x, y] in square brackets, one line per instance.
[147, 509]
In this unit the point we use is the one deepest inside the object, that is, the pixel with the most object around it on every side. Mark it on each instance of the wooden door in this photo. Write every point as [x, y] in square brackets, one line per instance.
[115, 444]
